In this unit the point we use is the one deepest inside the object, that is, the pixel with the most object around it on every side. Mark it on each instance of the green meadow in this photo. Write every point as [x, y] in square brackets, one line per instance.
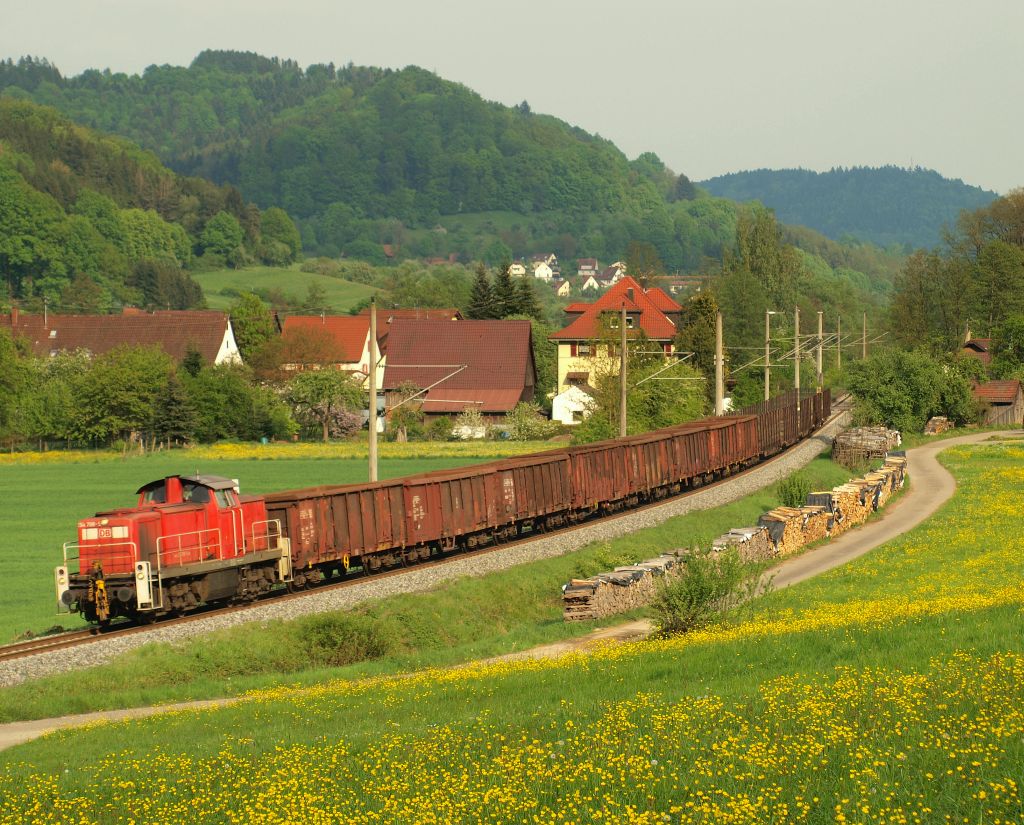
[222, 286]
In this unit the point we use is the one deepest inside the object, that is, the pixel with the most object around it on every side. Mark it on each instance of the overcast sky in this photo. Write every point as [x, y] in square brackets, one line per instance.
[712, 86]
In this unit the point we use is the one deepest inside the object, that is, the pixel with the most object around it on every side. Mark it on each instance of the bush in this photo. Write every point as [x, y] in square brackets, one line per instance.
[793, 491]
[527, 423]
[710, 582]
[336, 639]
[440, 429]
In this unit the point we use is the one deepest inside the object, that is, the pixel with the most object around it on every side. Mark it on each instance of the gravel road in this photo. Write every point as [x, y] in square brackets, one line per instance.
[415, 580]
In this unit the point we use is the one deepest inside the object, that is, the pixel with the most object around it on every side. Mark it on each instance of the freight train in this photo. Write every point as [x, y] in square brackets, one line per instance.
[192, 540]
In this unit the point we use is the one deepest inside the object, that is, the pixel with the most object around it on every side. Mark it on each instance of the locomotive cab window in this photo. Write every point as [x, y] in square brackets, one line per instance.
[155, 495]
[196, 493]
[225, 498]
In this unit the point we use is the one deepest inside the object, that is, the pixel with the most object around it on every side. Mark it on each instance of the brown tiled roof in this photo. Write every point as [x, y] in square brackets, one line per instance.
[997, 392]
[980, 348]
[485, 401]
[497, 355]
[172, 330]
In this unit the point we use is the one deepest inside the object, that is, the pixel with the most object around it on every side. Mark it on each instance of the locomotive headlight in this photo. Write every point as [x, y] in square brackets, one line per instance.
[104, 522]
[140, 574]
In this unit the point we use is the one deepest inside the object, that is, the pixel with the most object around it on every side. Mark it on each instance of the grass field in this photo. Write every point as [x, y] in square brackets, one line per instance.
[341, 295]
[43, 500]
[889, 690]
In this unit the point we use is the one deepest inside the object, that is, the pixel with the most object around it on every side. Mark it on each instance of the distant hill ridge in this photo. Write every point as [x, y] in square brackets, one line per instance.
[883, 205]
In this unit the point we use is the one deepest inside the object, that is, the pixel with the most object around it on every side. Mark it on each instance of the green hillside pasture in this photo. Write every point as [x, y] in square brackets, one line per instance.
[887, 690]
[42, 503]
[341, 294]
[462, 621]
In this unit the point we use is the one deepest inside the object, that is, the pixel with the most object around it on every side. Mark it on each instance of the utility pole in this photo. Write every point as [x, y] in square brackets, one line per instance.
[622, 371]
[767, 354]
[864, 340]
[373, 389]
[796, 358]
[719, 367]
[821, 381]
[839, 342]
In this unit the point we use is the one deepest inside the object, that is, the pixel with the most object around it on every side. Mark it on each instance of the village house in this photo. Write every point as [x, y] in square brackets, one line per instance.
[348, 339]
[586, 267]
[1003, 402]
[561, 288]
[591, 285]
[587, 345]
[483, 365]
[543, 271]
[612, 274]
[174, 331]
[978, 348]
[340, 342]
[517, 269]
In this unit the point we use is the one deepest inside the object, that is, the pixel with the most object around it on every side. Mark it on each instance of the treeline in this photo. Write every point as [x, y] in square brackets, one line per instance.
[132, 394]
[973, 282]
[887, 205]
[89, 221]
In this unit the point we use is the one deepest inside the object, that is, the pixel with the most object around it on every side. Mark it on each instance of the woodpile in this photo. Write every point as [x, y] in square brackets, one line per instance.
[780, 532]
[937, 424]
[752, 543]
[619, 591]
[861, 444]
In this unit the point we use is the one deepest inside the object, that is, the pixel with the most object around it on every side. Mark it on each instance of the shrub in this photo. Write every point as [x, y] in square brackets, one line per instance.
[710, 582]
[793, 491]
[336, 639]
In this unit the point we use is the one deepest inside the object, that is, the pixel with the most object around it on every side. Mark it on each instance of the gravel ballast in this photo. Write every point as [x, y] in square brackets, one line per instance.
[416, 580]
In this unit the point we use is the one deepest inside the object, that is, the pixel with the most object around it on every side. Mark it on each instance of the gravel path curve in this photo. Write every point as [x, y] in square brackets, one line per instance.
[415, 580]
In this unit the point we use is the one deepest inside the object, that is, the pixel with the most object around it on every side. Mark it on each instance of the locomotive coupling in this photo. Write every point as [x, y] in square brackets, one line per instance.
[97, 595]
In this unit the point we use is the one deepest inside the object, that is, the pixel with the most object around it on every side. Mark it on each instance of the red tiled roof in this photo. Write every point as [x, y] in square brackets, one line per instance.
[497, 355]
[577, 306]
[174, 331]
[662, 300]
[652, 320]
[349, 332]
[456, 400]
[997, 392]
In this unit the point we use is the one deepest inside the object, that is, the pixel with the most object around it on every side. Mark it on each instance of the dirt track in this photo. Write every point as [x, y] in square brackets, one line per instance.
[931, 486]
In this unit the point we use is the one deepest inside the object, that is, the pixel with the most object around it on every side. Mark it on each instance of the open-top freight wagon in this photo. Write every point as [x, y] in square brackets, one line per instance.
[193, 539]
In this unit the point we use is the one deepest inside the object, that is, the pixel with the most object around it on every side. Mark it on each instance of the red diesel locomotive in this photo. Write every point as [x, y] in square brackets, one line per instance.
[194, 539]
[189, 540]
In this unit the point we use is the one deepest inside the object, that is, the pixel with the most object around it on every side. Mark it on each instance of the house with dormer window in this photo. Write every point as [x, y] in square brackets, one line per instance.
[587, 345]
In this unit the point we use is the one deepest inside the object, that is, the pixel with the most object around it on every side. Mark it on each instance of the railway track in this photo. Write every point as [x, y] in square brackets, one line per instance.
[48, 644]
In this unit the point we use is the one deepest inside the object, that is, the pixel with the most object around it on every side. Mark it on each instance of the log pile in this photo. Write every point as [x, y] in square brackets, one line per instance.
[780, 532]
[619, 591]
[752, 543]
[937, 425]
[861, 444]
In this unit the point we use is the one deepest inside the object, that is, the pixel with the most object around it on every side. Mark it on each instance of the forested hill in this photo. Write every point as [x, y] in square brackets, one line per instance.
[339, 146]
[403, 144]
[90, 220]
[885, 205]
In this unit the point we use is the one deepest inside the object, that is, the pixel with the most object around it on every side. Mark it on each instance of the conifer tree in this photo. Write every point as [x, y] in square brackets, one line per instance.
[506, 296]
[174, 416]
[527, 299]
[481, 301]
